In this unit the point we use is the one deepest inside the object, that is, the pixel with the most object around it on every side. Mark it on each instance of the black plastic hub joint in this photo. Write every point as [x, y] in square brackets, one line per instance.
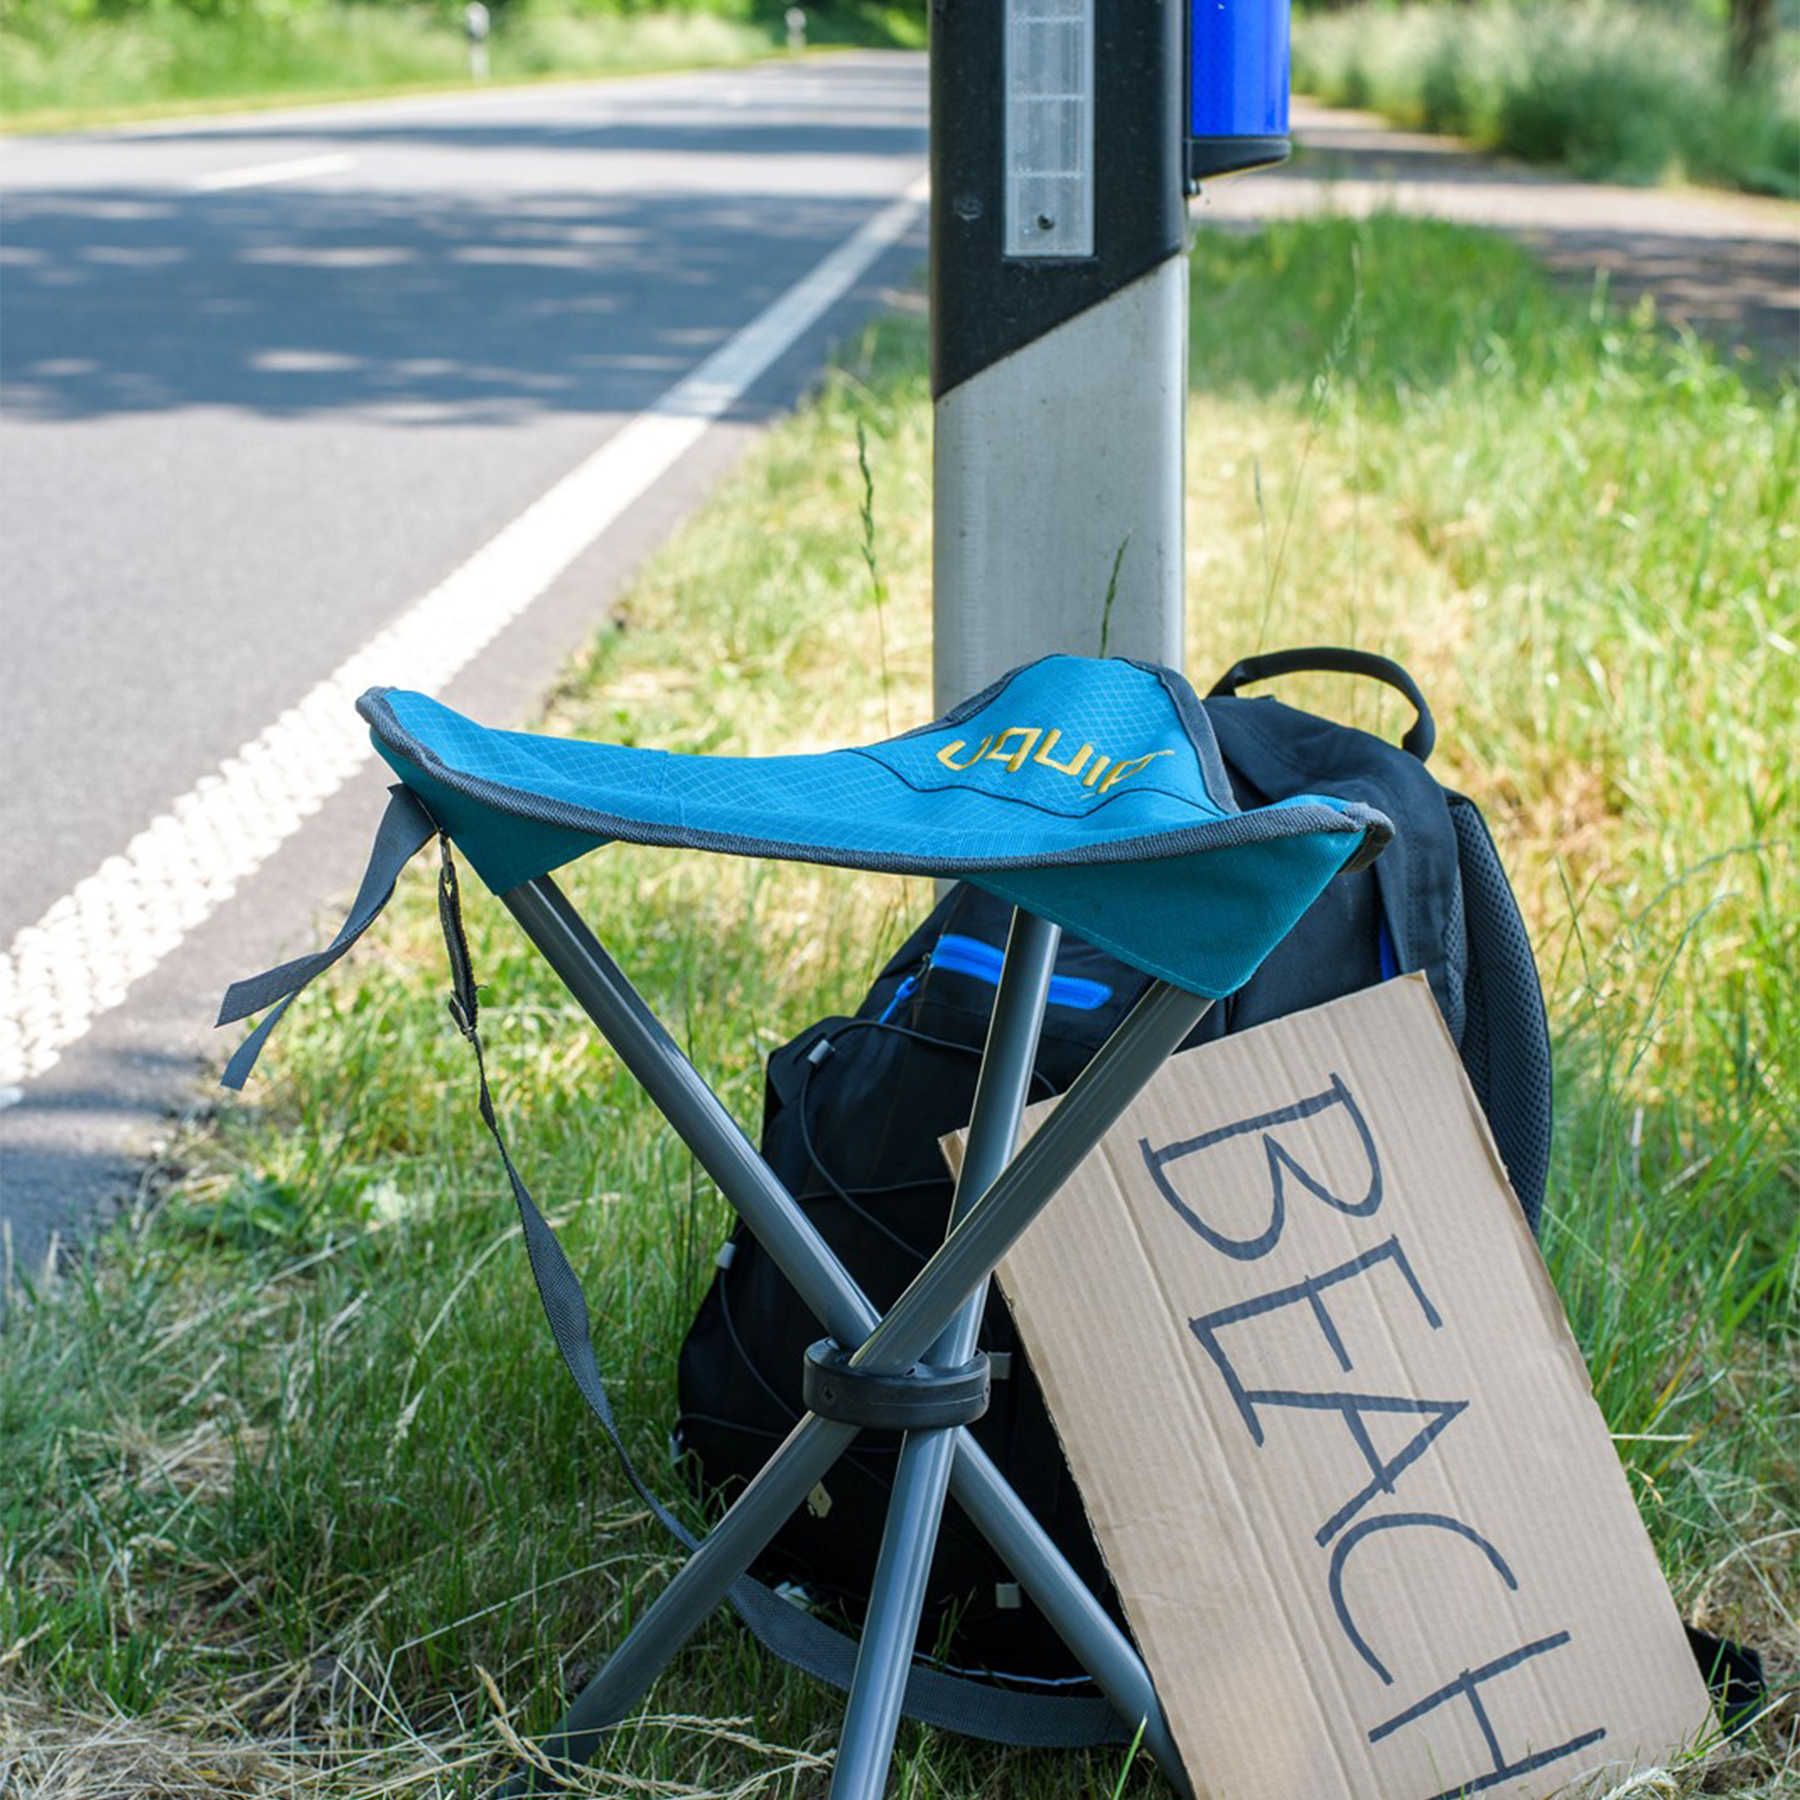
[922, 1399]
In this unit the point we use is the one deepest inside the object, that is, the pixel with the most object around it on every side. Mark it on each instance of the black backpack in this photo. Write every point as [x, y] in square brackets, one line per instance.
[854, 1109]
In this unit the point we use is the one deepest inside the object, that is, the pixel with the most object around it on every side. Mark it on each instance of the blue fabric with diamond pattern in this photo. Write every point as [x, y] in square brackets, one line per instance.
[1090, 792]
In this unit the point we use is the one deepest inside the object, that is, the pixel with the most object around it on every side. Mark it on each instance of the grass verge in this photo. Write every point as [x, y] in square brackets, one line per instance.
[293, 1497]
[58, 73]
[1608, 90]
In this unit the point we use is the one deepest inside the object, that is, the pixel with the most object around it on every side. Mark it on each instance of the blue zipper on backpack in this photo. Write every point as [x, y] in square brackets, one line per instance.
[1385, 950]
[970, 956]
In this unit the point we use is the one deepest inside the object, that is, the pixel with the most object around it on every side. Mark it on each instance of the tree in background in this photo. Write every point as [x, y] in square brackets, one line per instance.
[1752, 39]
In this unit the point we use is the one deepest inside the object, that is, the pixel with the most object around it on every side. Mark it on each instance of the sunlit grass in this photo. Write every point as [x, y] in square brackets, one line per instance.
[59, 72]
[1611, 91]
[293, 1460]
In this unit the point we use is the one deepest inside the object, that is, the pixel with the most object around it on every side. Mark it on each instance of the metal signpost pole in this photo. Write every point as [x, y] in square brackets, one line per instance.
[1065, 138]
[1058, 332]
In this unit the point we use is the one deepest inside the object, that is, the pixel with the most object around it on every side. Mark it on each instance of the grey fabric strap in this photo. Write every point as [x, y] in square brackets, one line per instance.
[974, 1708]
[405, 829]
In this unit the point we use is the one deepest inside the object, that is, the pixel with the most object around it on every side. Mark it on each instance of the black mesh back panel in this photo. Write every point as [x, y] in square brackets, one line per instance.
[1506, 1037]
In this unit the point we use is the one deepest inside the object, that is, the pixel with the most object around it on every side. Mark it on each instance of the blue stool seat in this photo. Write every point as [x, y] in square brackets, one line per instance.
[1088, 792]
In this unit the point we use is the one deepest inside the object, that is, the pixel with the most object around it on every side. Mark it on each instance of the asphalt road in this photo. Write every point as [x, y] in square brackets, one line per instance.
[265, 382]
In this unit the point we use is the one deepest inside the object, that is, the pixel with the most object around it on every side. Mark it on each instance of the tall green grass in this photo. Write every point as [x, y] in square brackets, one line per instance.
[60, 67]
[291, 1463]
[1605, 88]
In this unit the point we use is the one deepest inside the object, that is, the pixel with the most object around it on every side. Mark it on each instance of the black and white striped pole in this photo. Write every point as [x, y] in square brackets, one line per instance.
[1066, 136]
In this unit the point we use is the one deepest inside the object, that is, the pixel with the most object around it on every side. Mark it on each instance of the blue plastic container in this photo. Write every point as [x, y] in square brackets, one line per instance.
[1238, 80]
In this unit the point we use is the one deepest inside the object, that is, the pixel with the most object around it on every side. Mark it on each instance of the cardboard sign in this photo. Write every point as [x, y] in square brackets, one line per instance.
[1334, 1435]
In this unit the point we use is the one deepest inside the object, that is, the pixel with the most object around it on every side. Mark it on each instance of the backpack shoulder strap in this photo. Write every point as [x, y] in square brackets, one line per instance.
[1506, 1037]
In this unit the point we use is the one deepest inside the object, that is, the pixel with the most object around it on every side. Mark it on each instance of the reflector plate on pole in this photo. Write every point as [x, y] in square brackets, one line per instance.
[1049, 128]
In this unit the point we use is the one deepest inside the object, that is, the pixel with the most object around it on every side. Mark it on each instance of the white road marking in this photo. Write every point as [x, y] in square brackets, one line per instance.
[81, 958]
[296, 168]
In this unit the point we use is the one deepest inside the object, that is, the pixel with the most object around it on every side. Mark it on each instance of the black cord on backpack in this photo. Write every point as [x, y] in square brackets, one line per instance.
[814, 1062]
[831, 1181]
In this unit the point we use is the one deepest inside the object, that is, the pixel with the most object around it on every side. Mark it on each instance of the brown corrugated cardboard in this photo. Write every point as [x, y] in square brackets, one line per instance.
[1335, 1437]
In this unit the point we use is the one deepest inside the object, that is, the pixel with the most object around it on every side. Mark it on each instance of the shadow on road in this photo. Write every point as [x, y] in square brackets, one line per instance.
[426, 308]
[775, 132]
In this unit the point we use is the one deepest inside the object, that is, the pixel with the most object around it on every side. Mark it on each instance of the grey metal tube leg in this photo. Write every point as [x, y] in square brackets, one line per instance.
[921, 1482]
[707, 1127]
[699, 1117]
[696, 1592]
[1060, 1594]
[891, 1626]
[1136, 1050]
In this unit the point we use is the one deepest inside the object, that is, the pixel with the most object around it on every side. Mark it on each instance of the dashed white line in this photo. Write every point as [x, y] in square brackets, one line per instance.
[81, 958]
[297, 168]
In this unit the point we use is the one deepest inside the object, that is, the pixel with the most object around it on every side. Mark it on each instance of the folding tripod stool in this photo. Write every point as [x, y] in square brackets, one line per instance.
[1091, 795]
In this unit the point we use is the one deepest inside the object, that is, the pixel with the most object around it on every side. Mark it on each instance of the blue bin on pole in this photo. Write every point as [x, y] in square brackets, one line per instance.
[1238, 79]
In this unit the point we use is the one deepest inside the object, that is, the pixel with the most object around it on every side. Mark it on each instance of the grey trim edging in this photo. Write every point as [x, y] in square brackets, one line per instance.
[1239, 828]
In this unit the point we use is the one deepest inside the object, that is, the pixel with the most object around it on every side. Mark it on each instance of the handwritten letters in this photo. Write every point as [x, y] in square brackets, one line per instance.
[1391, 1432]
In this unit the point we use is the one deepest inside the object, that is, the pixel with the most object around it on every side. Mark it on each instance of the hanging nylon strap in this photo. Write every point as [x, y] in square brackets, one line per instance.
[974, 1708]
[405, 829]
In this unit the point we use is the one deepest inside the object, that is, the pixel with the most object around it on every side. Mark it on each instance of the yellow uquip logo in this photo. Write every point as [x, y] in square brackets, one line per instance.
[1019, 744]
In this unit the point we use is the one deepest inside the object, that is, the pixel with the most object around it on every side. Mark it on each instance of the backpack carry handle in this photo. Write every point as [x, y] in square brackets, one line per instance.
[1326, 659]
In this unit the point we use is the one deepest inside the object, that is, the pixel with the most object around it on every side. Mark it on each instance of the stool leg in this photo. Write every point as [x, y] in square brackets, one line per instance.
[891, 1626]
[697, 1590]
[700, 1119]
[916, 1506]
[995, 1204]
[1064, 1599]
